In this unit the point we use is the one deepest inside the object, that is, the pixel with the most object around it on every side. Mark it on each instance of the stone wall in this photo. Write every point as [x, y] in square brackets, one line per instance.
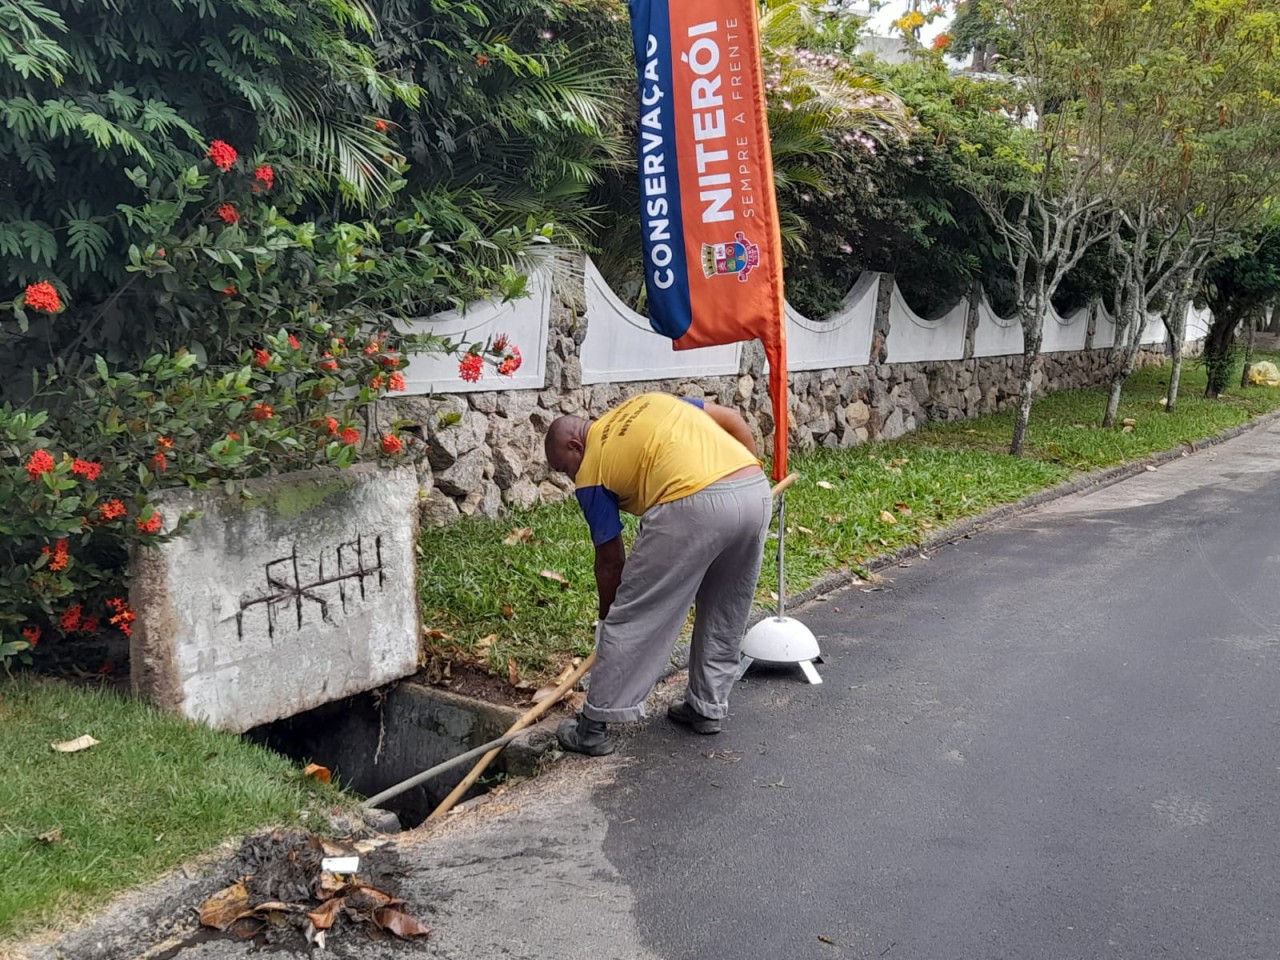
[491, 455]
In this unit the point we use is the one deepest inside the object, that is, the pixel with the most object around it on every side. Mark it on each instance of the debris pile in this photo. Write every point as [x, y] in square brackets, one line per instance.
[295, 884]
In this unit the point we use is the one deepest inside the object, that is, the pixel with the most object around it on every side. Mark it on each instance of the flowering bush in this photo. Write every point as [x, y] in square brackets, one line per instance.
[293, 336]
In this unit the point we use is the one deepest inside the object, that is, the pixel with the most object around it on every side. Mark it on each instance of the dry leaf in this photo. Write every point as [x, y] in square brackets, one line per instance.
[557, 577]
[519, 535]
[401, 924]
[317, 772]
[1149, 468]
[1127, 428]
[513, 672]
[825, 485]
[76, 745]
[575, 700]
[804, 529]
[887, 517]
[541, 694]
[50, 837]
[508, 611]
[323, 918]
[903, 509]
[225, 907]
[1129, 422]
[926, 524]
[833, 519]
[435, 635]
[484, 643]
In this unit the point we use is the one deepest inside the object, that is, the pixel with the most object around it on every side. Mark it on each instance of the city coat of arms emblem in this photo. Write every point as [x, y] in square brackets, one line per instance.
[739, 256]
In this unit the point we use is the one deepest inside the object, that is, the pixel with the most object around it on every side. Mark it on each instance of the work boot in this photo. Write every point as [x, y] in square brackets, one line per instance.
[583, 735]
[686, 716]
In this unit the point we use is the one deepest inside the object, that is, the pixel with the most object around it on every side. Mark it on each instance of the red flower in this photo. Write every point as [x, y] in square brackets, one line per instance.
[380, 126]
[39, 463]
[943, 41]
[43, 296]
[389, 362]
[350, 436]
[377, 382]
[262, 411]
[331, 425]
[392, 444]
[227, 213]
[160, 254]
[151, 525]
[111, 510]
[110, 666]
[90, 624]
[396, 382]
[222, 154]
[59, 554]
[471, 368]
[372, 348]
[123, 616]
[293, 342]
[266, 175]
[511, 364]
[229, 290]
[31, 633]
[71, 619]
[500, 343]
[160, 463]
[328, 363]
[261, 357]
[86, 469]
[482, 60]
[233, 436]
[164, 443]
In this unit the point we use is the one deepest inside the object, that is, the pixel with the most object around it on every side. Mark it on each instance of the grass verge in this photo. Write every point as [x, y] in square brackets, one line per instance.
[155, 792]
[494, 595]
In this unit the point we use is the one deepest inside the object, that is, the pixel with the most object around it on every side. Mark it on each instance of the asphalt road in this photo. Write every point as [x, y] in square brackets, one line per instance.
[1054, 741]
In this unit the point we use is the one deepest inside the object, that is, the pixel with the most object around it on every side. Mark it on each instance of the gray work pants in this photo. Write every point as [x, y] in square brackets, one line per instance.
[705, 548]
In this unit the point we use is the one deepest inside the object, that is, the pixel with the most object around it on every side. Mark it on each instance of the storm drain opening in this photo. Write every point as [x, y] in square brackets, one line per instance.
[376, 740]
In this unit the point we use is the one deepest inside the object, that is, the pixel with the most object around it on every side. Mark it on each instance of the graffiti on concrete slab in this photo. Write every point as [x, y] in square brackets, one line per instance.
[336, 576]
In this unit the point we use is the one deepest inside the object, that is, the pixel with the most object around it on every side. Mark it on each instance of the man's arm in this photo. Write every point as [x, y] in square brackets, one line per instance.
[610, 558]
[732, 423]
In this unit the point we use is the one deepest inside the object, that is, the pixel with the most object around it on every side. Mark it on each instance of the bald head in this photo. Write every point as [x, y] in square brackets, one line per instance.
[565, 443]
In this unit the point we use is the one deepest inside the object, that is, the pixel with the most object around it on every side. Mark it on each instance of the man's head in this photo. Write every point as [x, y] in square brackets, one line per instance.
[565, 443]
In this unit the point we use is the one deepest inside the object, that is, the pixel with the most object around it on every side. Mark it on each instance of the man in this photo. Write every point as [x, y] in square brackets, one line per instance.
[690, 468]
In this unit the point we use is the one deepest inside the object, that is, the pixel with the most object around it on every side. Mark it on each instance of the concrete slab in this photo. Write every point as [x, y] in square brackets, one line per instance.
[298, 593]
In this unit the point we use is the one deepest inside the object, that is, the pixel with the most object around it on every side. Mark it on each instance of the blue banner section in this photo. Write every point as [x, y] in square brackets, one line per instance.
[666, 269]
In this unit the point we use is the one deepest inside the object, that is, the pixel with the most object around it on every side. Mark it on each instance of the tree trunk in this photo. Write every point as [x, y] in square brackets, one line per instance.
[1251, 325]
[1113, 400]
[1175, 376]
[1219, 349]
[1177, 326]
[1024, 401]
[1032, 318]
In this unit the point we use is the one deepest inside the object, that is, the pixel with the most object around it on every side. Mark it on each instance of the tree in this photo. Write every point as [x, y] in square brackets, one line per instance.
[1238, 287]
[1210, 164]
[1050, 202]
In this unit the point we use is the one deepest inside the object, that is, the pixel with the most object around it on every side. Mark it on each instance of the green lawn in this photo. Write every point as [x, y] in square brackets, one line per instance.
[475, 586]
[155, 792]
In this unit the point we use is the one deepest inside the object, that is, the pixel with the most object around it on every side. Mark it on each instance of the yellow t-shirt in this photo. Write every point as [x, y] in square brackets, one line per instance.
[652, 449]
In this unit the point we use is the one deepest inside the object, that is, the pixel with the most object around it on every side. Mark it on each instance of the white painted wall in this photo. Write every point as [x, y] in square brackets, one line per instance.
[912, 338]
[620, 347]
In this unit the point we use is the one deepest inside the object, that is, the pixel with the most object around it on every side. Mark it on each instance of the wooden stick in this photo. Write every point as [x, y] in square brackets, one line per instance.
[540, 708]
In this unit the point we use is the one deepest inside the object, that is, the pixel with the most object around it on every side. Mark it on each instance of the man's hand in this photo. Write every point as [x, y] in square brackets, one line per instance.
[732, 423]
[610, 558]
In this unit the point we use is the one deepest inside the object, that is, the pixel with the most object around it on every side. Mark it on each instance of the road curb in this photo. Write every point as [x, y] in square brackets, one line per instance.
[961, 529]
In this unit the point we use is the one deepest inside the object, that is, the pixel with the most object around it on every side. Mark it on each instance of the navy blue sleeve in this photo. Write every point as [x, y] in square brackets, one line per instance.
[600, 507]
[696, 401]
